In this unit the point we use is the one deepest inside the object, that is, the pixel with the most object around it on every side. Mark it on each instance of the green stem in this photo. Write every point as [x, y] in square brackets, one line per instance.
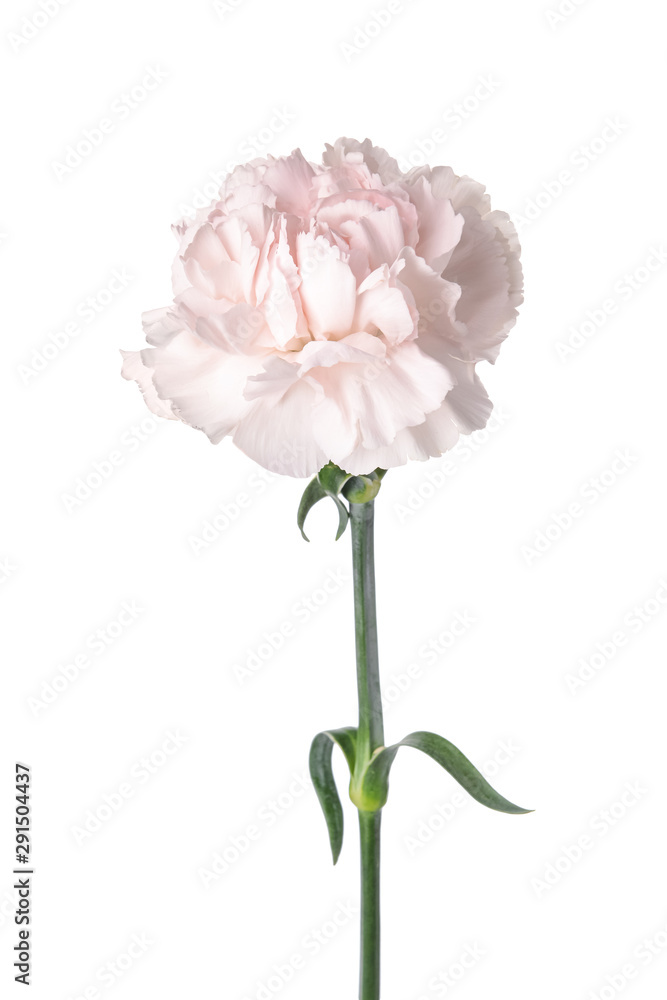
[369, 965]
[371, 731]
[370, 736]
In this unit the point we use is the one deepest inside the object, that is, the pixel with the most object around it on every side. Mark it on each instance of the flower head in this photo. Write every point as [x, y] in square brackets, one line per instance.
[334, 312]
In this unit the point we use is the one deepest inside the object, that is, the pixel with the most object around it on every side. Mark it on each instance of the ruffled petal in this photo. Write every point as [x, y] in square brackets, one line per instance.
[377, 159]
[328, 287]
[440, 227]
[204, 385]
[381, 305]
[135, 370]
[276, 430]
[490, 278]
[291, 179]
[376, 399]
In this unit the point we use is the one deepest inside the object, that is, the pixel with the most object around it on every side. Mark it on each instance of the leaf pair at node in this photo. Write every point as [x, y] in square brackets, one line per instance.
[371, 793]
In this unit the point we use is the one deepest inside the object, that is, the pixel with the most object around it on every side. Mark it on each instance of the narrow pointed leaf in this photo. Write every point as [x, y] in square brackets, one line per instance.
[460, 768]
[346, 739]
[325, 786]
[323, 780]
[313, 493]
[342, 515]
[448, 756]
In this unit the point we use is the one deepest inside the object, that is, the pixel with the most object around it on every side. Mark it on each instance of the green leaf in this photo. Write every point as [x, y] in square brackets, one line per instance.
[346, 739]
[323, 780]
[376, 778]
[313, 493]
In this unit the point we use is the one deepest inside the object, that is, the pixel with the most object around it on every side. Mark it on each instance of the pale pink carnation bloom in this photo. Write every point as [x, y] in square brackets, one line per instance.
[334, 312]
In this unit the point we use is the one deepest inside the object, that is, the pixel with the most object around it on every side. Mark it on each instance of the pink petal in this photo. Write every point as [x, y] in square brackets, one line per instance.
[328, 287]
[439, 226]
[291, 178]
[135, 370]
[382, 306]
[204, 385]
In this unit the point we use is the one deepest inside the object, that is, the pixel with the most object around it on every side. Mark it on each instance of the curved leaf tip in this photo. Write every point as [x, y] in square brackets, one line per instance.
[313, 493]
[375, 784]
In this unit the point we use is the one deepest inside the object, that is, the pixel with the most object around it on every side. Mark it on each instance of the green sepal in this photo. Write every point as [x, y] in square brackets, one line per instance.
[321, 773]
[376, 778]
[332, 479]
[362, 489]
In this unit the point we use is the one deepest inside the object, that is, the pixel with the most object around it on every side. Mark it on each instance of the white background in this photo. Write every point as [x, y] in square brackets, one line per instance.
[480, 541]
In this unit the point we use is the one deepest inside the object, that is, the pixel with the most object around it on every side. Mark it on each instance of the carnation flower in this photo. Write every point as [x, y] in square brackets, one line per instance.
[334, 312]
